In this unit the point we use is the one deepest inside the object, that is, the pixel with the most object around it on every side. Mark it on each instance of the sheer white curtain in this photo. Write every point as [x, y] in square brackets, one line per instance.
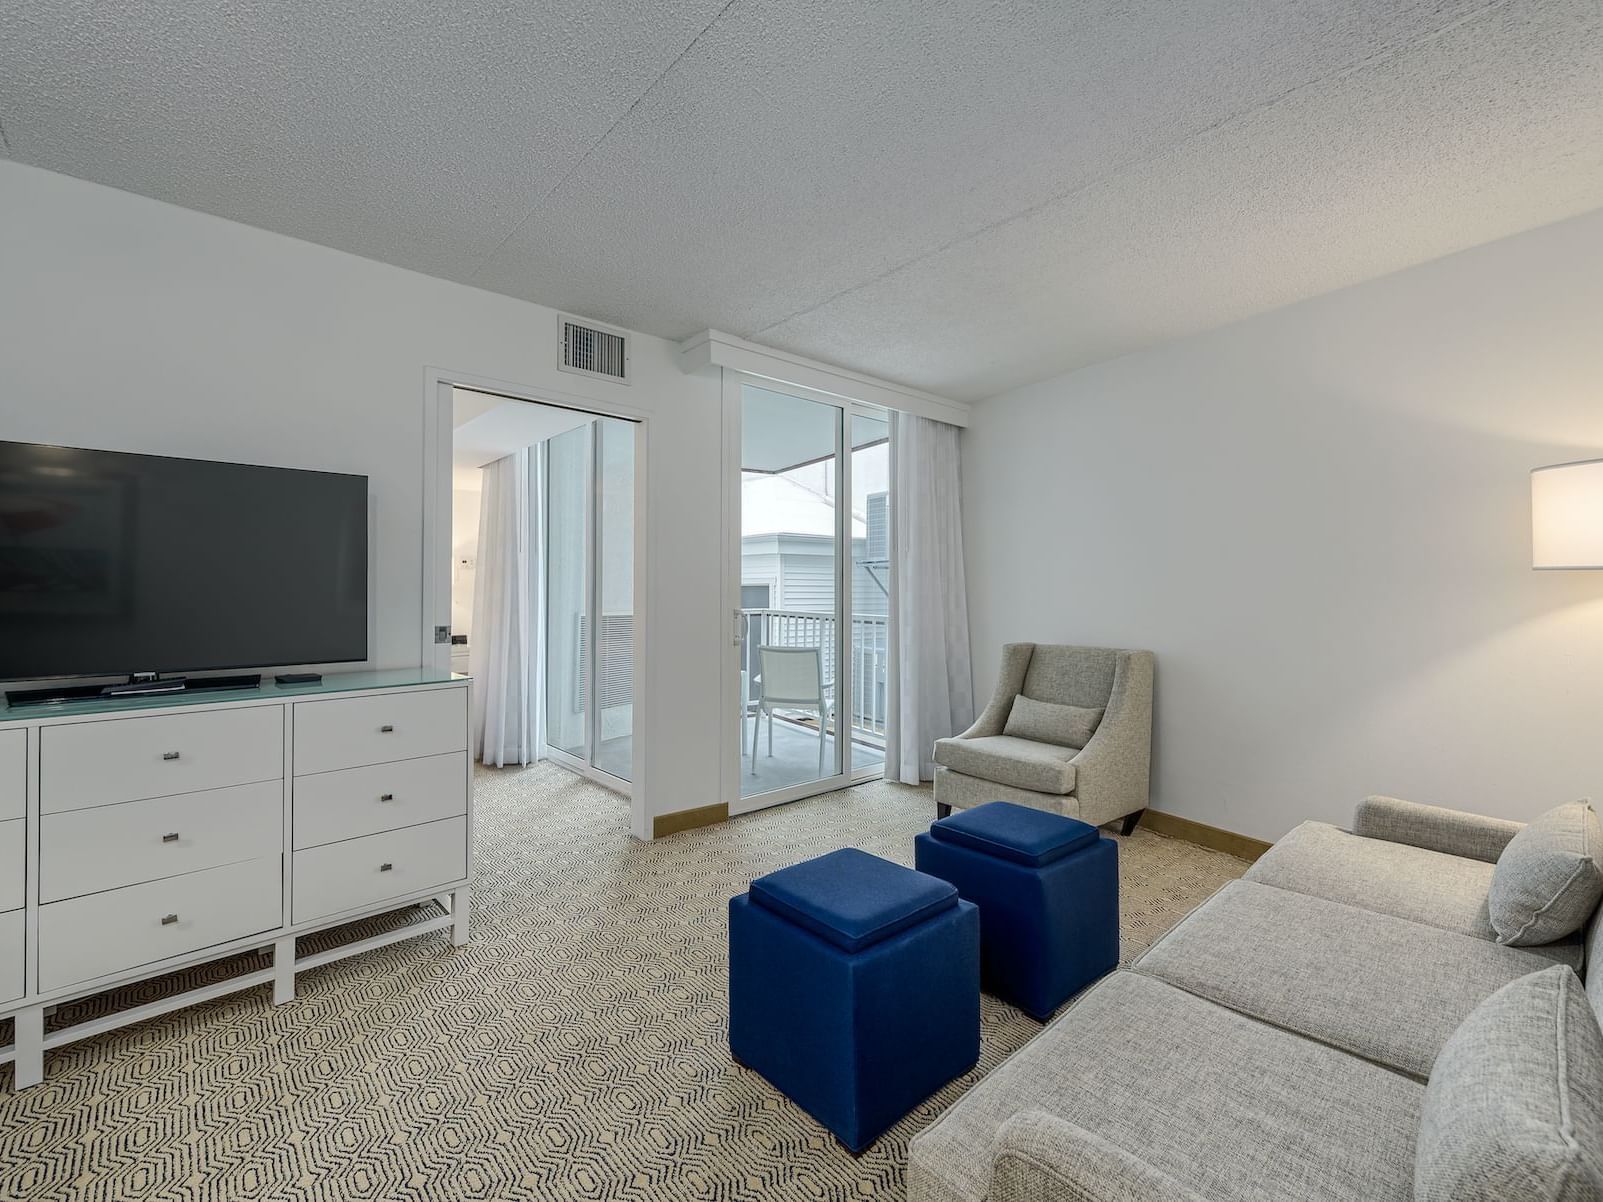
[504, 649]
[934, 689]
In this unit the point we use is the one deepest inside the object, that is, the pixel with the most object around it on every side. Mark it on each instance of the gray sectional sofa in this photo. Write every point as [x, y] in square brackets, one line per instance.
[1278, 1043]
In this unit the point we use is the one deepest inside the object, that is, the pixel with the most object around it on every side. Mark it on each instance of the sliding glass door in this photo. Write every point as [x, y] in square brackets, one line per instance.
[567, 601]
[814, 593]
[589, 598]
[870, 643]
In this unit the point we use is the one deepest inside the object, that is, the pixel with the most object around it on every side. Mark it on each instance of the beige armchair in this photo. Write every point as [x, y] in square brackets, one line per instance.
[1025, 752]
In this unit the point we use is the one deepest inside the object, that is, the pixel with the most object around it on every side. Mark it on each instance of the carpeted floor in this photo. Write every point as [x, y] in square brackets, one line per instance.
[574, 1049]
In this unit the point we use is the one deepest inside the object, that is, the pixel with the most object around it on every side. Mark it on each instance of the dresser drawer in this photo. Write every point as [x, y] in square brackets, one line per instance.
[353, 731]
[12, 926]
[331, 806]
[13, 864]
[97, 763]
[86, 851]
[105, 933]
[13, 774]
[359, 872]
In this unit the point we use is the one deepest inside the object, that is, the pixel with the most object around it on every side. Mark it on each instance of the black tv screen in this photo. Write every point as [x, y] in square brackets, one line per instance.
[112, 563]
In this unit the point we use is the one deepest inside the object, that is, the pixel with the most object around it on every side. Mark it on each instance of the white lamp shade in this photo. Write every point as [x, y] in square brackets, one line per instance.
[1567, 515]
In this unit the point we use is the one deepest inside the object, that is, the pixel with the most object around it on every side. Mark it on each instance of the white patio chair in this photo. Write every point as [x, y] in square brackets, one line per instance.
[791, 678]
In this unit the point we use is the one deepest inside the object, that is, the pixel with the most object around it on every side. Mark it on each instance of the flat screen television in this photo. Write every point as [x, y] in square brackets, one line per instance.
[112, 563]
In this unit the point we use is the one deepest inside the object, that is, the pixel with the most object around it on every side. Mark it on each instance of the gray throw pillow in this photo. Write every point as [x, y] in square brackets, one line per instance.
[1514, 1105]
[1547, 881]
[1044, 722]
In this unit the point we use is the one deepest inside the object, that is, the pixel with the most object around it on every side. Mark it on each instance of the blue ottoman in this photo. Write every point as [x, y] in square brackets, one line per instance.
[854, 987]
[1048, 892]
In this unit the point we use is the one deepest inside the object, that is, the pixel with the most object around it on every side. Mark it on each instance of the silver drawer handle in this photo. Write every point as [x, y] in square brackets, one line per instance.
[172, 838]
[386, 729]
[385, 867]
[169, 920]
[386, 797]
[169, 755]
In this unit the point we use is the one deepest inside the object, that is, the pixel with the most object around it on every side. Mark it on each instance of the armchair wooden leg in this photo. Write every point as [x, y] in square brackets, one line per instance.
[1131, 821]
[942, 810]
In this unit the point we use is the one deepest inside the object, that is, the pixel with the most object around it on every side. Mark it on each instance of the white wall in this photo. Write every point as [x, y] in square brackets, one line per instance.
[1319, 520]
[138, 326]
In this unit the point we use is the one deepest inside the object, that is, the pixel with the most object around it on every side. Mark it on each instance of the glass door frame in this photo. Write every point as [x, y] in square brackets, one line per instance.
[595, 644]
[734, 647]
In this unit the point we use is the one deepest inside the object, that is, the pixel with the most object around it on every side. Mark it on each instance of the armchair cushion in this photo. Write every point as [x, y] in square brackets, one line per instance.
[1547, 882]
[1045, 722]
[1022, 763]
[1069, 675]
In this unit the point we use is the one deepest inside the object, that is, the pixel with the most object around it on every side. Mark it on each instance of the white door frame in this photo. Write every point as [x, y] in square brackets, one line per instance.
[732, 648]
[436, 568]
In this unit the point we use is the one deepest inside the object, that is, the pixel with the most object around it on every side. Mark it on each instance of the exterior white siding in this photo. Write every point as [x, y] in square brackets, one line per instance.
[760, 565]
[806, 575]
[800, 571]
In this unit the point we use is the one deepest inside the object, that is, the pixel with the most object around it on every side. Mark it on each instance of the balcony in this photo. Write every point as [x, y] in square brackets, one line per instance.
[795, 737]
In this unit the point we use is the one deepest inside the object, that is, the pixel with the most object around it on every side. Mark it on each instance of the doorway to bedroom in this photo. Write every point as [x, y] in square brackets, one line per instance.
[543, 582]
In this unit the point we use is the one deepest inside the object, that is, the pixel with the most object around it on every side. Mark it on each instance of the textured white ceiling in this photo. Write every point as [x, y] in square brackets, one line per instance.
[960, 196]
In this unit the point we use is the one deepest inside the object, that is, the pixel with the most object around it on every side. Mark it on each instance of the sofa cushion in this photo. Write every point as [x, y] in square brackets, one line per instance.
[1547, 881]
[1390, 878]
[851, 898]
[1223, 1104]
[1390, 990]
[1046, 722]
[1013, 832]
[1514, 1108]
[1022, 763]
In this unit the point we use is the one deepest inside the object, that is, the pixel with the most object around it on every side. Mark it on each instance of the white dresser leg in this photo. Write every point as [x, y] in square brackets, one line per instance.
[460, 907]
[28, 1027]
[283, 970]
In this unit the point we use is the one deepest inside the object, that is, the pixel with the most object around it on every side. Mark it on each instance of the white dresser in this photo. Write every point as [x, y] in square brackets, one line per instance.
[140, 836]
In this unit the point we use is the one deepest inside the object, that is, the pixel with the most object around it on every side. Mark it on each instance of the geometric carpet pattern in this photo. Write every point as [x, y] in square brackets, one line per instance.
[574, 1049]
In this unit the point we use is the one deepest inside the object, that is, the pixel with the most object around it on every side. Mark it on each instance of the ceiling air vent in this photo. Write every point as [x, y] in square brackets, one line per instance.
[593, 350]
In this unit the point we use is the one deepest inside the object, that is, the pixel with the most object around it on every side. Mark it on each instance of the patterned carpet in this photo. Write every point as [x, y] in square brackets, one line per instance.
[574, 1049]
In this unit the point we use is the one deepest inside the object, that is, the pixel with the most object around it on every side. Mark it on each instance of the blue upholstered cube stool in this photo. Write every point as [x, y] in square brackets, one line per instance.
[854, 987]
[1048, 892]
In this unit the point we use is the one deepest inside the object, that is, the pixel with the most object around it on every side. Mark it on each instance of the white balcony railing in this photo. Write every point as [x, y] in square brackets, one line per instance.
[870, 652]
